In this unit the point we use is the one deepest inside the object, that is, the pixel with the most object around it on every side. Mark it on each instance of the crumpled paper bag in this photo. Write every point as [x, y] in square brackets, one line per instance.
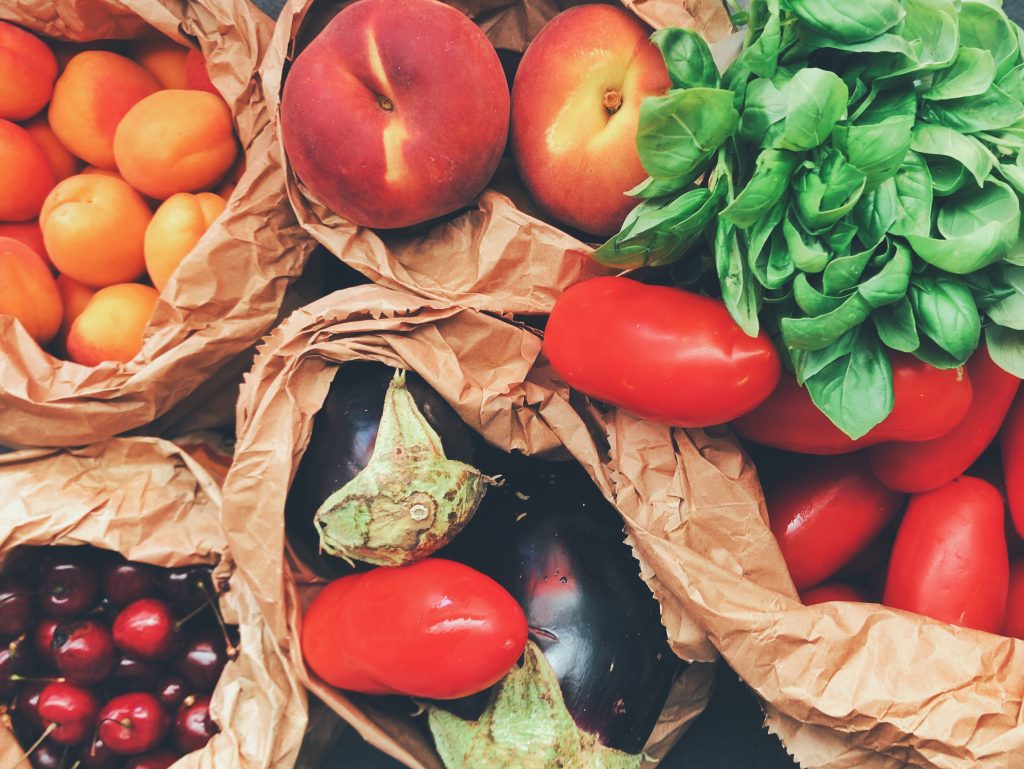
[493, 374]
[150, 501]
[225, 294]
[492, 256]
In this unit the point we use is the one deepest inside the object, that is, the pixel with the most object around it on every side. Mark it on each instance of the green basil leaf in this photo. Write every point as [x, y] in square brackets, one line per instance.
[765, 106]
[740, 291]
[896, 326]
[678, 133]
[842, 273]
[822, 330]
[855, 390]
[1006, 346]
[815, 102]
[824, 195]
[687, 58]
[850, 22]
[914, 194]
[890, 284]
[651, 188]
[807, 363]
[948, 176]
[987, 286]
[972, 74]
[989, 29]
[1009, 311]
[759, 57]
[875, 213]
[946, 314]
[1012, 83]
[876, 149]
[1014, 175]
[930, 28]
[1006, 141]
[806, 252]
[765, 188]
[759, 248]
[840, 238]
[780, 267]
[810, 40]
[945, 142]
[812, 301]
[990, 111]
[886, 102]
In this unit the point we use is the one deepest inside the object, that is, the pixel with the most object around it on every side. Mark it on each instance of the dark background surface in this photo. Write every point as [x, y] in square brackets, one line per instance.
[730, 734]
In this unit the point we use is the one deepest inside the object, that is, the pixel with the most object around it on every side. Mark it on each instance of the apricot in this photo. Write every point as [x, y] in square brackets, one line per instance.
[94, 227]
[175, 141]
[175, 229]
[112, 325]
[95, 91]
[27, 71]
[63, 163]
[76, 297]
[25, 174]
[196, 75]
[164, 58]
[28, 290]
[29, 234]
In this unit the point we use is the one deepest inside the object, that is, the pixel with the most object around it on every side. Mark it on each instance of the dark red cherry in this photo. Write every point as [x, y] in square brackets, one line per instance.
[132, 674]
[71, 708]
[188, 587]
[146, 629]
[26, 704]
[202, 659]
[160, 758]
[126, 582]
[15, 607]
[193, 726]
[15, 660]
[49, 755]
[42, 642]
[84, 651]
[97, 755]
[171, 691]
[133, 723]
[69, 583]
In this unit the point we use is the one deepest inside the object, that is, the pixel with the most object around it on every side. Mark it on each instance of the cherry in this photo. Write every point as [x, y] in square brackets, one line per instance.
[188, 587]
[48, 755]
[69, 710]
[193, 726]
[15, 660]
[15, 607]
[42, 642]
[84, 651]
[132, 674]
[126, 582]
[171, 692]
[97, 756]
[158, 759]
[69, 583]
[203, 658]
[27, 703]
[146, 628]
[133, 723]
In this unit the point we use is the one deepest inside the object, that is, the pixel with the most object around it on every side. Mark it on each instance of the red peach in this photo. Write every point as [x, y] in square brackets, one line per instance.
[27, 71]
[26, 177]
[28, 290]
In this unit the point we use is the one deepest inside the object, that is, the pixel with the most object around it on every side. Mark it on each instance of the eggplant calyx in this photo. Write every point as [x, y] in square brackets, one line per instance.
[525, 726]
[409, 500]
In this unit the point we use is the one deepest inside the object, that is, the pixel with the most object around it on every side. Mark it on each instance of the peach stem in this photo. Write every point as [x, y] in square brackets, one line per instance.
[612, 100]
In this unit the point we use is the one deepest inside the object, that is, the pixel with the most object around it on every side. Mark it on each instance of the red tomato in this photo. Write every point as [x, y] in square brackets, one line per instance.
[1013, 623]
[434, 628]
[926, 465]
[664, 354]
[825, 512]
[832, 591]
[1012, 444]
[929, 402]
[950, 560]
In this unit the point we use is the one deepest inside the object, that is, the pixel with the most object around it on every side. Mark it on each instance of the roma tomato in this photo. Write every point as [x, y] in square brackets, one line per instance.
[1013, 623]
[435, 629]
[664, 354]
[925, 465]
[949, 561]
[824, 512]
[1012, 444]
[832, 591]
[929, 402]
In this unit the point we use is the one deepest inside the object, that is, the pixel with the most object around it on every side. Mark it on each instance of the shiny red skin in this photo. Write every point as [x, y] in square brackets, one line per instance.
[27, 702]
[158, 759]
[72, 708]
[832, 591]
[172, 692]
[824, 512]
[187, 587]
[146, 629]
[98, 756]
[133, 723]
[663, 354]
[69, 583]
[925, 465]
[126, 582]
[132, 674]
[928, 403]
[48, 755]
[1012, 444]
[193, 726]
[949, 561]
[42, 642]
[445, 631]
[15, 607]
[202, 659]
[1013, 622]
[84, 652]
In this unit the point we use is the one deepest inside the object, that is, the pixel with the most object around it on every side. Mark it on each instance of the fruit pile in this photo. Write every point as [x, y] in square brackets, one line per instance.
[108, 189]
[108, 663]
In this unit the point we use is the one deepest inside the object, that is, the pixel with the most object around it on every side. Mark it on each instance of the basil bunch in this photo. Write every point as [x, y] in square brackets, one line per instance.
[864, 174]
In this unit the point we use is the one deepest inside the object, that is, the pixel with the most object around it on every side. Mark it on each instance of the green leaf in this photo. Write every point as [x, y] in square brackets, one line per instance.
[887, 102]
[840, 237]
[989, 29]
[855, 390]
[765, 106]
[876, 149]
[812, 301]
[842, 273]
[651, 188]
[765, 188]
[945, 142]
[687, 57]
[678, 133]
[972, 74]
[914, 194]
[1009, 311]
[759, 248]
[1012, 83]
[946, 314]
[851, 22]
[1006, 346]
[807, 363]
[875, 213]
[990, 111]
[930, 30]
[805, 251]
[896, 326]
[1014, 175]
[948, 176]
[815, 102]
[824, 195]
[739, 289]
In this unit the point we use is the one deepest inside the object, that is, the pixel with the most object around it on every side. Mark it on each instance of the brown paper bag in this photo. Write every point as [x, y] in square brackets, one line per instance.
[493, 256]
[494, 376]
[224, 295]
[148, 500]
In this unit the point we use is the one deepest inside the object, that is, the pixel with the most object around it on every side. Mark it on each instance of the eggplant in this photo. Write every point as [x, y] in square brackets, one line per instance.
[553, 541]
[342, 442]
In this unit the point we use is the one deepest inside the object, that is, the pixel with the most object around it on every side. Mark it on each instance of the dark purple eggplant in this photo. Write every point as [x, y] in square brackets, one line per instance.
[552, 540]
[344, 434]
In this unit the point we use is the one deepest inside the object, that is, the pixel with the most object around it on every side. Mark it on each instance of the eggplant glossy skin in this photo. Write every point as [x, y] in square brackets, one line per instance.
[586, 606]
[344, 434]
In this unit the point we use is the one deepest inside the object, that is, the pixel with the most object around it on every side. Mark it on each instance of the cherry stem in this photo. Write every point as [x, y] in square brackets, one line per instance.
[191, 614]
[36, 744]
[40, 679]
[231, 649]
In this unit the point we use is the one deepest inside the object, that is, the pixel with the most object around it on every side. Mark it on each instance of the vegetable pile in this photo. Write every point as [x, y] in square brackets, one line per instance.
[864, 177]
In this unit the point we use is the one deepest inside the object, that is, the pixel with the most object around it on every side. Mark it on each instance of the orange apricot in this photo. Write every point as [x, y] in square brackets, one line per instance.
[92, 95]
[164, 58]
[94, 227]
[76, 297]
[174, 230]
[28, 290]
[28, 233]
[63, 163]
[175, 141]
[25, 174]
[112, 325]
[27, 71]
[196, 75]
